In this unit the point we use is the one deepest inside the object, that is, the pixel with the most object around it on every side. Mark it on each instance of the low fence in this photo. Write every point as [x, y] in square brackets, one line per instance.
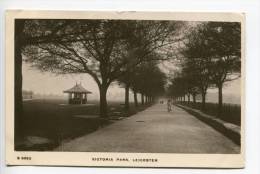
[230, 112]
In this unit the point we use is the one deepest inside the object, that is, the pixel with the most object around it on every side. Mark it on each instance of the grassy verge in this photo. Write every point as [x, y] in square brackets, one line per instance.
[230, 131]
[230, 112]
[56, 121]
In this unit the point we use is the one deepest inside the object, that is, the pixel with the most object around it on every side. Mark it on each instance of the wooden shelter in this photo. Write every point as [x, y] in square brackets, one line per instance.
[77, 94]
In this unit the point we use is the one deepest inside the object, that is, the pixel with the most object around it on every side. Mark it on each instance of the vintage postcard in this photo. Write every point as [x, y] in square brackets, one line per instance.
[125, 89]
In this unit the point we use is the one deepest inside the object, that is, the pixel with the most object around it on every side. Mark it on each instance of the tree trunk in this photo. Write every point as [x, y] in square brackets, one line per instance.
[103, 101]
[142, 99]
[127, 97]
[146, 99]
[220, 99]
[135, 99]
[203, 100]
[19, 131]
[194, 98]
[188, 98]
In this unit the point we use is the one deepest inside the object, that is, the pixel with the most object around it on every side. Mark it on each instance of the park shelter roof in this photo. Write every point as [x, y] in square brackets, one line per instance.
[78, 88]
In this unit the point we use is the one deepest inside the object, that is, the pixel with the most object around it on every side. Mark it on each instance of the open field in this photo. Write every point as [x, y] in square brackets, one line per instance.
[57, 121]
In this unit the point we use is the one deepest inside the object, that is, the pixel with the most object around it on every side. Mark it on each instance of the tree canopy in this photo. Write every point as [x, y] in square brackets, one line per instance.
[211, 56]
[104, 49]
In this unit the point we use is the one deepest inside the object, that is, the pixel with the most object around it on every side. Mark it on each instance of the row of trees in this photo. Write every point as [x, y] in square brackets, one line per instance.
[107, 50]
[146, 79]
[211, 56]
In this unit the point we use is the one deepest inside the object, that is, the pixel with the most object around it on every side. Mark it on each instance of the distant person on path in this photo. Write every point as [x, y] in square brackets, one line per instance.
[169, 105]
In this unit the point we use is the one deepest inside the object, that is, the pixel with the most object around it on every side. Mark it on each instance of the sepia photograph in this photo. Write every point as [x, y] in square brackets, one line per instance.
[128, 87]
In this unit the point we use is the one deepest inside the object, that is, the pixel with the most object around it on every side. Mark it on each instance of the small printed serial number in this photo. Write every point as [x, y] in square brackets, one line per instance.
[24, 158]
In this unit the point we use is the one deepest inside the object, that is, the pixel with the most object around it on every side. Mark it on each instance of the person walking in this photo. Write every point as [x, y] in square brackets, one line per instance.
[169, 105]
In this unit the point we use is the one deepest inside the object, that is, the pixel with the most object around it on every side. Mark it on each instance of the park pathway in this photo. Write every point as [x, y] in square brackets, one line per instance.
[154, 131]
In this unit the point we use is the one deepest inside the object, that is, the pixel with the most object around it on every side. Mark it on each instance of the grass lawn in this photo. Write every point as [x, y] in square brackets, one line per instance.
[57, 121]
[230, 112]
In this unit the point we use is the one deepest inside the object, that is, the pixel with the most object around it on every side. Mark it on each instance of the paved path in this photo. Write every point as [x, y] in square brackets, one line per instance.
[155, 131]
